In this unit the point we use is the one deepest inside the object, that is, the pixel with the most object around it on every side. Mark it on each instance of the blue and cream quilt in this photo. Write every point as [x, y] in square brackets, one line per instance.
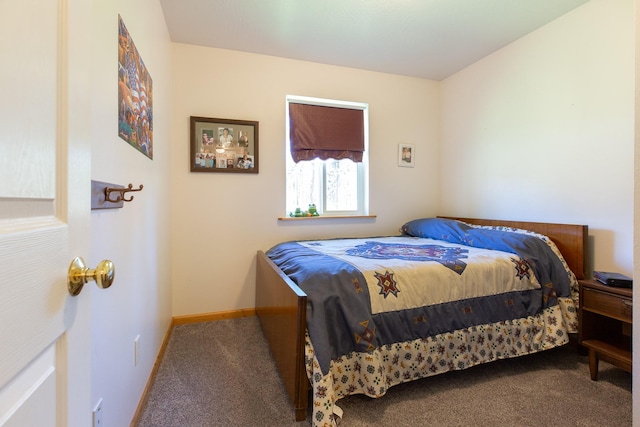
[444, 295]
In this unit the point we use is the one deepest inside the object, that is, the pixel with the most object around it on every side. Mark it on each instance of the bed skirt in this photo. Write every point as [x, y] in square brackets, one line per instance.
[373, 373]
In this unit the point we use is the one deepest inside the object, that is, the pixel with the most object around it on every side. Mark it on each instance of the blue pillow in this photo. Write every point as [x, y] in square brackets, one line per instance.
[436, 228]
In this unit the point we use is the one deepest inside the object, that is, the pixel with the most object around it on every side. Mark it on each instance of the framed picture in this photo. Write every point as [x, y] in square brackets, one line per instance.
[223, 145]
[406, 155]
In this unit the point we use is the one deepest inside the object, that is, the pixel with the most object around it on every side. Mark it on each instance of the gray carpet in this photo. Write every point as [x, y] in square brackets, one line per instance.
[222, 374]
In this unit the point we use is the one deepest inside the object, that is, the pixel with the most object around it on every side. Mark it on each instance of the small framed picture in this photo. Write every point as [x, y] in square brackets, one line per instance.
[406, 155]
[223, 145]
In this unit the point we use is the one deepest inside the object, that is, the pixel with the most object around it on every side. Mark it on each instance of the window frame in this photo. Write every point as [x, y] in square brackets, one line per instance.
[362, 186]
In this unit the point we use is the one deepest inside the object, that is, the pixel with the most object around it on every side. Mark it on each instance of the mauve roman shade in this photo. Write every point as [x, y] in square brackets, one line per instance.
[323, 132]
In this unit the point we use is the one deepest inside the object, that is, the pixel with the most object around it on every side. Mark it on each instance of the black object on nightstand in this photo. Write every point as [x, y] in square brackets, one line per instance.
[613, 279]
[605, 319]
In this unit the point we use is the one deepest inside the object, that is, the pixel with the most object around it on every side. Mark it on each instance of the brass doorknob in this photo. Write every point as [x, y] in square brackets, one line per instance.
[79, 274]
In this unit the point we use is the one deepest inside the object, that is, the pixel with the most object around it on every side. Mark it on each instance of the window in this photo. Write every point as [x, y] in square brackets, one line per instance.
[338, 187]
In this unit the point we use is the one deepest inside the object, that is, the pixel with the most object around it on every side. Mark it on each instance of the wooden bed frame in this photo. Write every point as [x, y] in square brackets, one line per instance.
[282, 306]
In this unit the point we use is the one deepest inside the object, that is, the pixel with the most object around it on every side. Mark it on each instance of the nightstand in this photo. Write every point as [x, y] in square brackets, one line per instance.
[605, 322]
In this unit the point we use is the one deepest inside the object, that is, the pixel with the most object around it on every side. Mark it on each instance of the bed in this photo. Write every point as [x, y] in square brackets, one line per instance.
[323, 342]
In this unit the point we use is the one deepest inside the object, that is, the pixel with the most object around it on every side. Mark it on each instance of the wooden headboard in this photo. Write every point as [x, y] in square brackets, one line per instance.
[571, 239]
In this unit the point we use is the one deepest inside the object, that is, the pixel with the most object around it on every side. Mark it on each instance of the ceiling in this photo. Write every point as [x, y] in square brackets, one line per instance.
[421, 38]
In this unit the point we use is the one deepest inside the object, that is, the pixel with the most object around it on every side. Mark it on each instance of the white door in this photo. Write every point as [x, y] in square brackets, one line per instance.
[44, 212]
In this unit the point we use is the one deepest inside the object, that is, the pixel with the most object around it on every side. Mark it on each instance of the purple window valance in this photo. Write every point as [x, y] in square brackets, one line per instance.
[323, 132]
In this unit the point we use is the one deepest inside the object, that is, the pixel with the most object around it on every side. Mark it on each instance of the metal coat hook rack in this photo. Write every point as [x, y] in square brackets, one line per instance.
[102, 197]
[120, 197]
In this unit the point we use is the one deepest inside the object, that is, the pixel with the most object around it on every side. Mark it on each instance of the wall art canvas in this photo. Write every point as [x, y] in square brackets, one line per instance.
[135, 95]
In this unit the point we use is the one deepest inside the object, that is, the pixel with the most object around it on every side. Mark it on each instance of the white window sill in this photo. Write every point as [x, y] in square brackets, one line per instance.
[315, 218]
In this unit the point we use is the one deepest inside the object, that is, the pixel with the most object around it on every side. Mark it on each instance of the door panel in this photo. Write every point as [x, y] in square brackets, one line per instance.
[28, 98]
[26, 394]
[31, 247]
[33, 289]
[44, 208]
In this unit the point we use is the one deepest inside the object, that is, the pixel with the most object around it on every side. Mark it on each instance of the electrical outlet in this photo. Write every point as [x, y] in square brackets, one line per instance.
[97, 414]
[136, 350]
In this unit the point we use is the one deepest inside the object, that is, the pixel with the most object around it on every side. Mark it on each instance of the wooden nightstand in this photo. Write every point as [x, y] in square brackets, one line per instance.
[605, 320]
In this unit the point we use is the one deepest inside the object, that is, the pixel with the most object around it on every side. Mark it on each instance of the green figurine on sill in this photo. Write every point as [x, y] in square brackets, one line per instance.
[299, 213]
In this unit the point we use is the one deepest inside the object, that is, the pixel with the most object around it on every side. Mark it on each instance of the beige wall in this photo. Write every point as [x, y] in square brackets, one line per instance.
[547, 128]
[136, 237]
[562, 97]
[221, 220]
[543, 130]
